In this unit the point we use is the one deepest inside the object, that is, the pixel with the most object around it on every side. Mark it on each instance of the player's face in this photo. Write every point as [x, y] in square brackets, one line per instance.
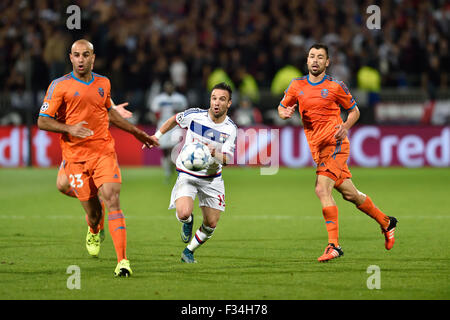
[317, 61]
[220, 102]
[82, 59]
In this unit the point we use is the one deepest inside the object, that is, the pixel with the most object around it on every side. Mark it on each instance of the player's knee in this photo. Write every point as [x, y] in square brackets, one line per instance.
[183, 213]
[62, 187]
[321, 191]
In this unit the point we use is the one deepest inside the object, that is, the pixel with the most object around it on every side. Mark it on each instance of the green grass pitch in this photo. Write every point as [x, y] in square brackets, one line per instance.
[265, 246]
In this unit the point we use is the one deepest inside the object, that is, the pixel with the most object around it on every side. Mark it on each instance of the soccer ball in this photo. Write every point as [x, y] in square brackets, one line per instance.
[195, 156]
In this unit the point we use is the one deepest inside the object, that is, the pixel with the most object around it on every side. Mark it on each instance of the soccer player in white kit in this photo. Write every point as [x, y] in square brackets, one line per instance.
[165, 105]
[215, 129]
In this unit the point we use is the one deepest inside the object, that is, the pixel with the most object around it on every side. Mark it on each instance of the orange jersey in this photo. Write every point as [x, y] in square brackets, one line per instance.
[71, 100]
[319, 108]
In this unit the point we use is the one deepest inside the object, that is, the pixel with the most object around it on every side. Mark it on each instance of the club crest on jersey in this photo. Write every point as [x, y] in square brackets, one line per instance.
[223, 137]
[44, 106]
[101, 92]
[324, 93]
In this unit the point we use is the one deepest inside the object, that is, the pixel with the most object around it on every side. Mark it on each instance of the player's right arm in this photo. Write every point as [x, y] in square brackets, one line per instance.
[76, 130]
[166, 127]
[287, 105]
[47, 114]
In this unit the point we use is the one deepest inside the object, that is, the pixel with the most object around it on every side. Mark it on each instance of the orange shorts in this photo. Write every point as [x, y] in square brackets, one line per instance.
[87, 177]
[332, 162]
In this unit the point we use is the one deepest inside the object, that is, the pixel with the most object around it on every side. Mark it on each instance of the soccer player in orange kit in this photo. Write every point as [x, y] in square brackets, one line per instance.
[318, 97]
[78, 106]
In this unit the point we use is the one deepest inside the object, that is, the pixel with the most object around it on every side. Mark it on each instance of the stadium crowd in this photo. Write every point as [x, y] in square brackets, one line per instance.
[140, 44]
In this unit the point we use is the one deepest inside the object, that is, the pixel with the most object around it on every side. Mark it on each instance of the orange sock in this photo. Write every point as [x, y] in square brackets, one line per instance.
[118, 231]
[331, 220]
[372, 211]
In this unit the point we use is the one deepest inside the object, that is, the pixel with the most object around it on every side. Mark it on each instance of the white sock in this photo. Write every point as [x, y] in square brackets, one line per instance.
[201, 236]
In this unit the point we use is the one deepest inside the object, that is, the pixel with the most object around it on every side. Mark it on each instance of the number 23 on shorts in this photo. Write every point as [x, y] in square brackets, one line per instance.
[75, 180]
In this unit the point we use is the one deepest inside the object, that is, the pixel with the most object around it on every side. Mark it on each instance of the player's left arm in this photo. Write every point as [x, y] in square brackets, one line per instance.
[120, 108]
[116, 119]
[346, 100]
[224, 154]
[342, 129]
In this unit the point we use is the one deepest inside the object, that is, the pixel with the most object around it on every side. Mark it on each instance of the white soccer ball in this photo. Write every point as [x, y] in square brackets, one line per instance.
[195, 156]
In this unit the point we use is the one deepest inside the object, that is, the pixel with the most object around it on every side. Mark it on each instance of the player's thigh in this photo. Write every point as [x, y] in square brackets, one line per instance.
[184, 206]
[62, 181]
[185, 190]
[211, 216]
[211, 194]
[80, 179]
[324, 185]
[110, 194]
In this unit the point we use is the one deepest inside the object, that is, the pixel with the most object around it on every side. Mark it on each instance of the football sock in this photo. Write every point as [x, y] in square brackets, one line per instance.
[330, 215]
[118, 231]
[369, 208]
[201, 236]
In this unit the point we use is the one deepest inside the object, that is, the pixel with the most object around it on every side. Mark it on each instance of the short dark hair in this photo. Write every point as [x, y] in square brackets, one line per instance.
[320, 46]
[223, 86]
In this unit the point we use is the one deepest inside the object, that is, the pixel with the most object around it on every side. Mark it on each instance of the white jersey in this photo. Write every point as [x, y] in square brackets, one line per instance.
[200, 128]
[168, 105]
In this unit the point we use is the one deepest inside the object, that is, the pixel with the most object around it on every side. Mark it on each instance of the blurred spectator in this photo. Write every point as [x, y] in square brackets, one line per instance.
[162, 107]
[246, 114]
[369, 82]
[142, 44]
[283, 78]
[56, 52]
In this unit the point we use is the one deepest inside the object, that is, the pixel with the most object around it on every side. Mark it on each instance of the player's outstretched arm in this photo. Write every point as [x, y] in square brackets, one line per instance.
[120, 108]
[78, 130]
[166, 126]
[116, 119]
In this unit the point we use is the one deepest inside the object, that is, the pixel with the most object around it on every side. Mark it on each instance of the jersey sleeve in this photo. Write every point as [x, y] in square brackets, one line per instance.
[108, 104]
[184, 118]
[344, 96]
[290, 95]
[52, 101]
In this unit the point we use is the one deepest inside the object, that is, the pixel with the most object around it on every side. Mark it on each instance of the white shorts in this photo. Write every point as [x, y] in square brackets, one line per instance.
[210, 191]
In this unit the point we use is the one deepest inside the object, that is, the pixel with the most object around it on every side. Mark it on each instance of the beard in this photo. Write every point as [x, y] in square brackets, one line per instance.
[218, 114]
[317, 72]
